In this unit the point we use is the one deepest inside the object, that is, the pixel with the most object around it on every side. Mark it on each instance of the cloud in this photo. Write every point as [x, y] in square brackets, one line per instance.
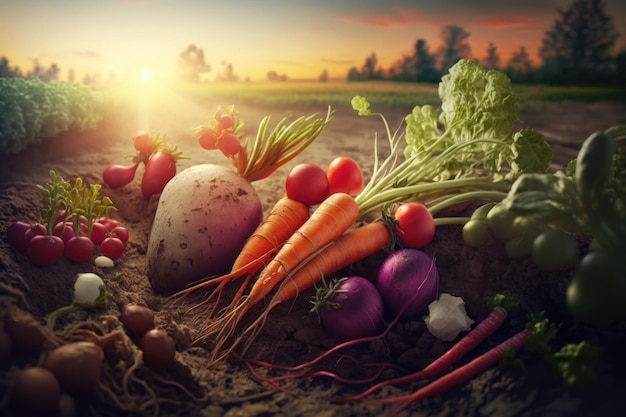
[383, 19]
[503, 22]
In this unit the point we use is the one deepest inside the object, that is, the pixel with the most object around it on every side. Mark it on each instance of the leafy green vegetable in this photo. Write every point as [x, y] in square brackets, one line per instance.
[478, 113]
[31, 109]
[573, 364]
[470, 160]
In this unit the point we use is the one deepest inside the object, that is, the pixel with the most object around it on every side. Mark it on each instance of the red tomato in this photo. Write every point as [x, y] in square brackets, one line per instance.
[344, 176]
[415, 226]
[307, 183]
[229, 144]
[112, 247]
[160, 169]
[44, 250]
[142, 142]
[121, 233]
[207, 138]
[79, 248]
[116, 176]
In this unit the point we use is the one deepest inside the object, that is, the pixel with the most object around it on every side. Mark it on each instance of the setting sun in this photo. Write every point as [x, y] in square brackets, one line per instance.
[145, 75]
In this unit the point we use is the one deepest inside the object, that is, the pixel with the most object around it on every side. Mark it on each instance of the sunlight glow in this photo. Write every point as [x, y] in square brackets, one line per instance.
[145, 75]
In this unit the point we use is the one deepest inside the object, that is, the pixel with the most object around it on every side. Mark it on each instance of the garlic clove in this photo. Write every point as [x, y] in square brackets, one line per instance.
[447, 317]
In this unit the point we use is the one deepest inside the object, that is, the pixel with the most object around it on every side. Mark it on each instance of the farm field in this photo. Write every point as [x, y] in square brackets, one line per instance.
[566, 116]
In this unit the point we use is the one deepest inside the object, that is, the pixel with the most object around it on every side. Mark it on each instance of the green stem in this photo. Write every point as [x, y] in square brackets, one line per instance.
[447, 221]
[471, 196]
[56, 313]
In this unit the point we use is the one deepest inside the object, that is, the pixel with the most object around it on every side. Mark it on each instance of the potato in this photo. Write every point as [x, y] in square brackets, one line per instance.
[203, 218]
[76, 365]
[36, 392]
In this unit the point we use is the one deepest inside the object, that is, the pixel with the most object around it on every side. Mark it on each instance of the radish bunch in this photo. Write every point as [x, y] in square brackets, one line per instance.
[73, 222]
[160, 161]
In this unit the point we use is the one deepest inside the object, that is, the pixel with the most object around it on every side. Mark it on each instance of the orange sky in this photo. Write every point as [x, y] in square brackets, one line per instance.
[297, 38]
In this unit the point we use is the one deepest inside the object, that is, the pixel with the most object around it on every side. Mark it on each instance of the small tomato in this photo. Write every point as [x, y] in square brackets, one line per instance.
[415, 226]
[344, 176]
[307, 183]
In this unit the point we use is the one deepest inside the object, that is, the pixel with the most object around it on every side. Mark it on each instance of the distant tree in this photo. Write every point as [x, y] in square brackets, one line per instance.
[370, 69]
[228, 75]
[455, 46]
[324, 76]
[402, 69]
[274, 76]
[6, 71]
[579, 46]
[191, 64]
[492, 59]
[520, 67]
[354, 74]
[620, 67]
[71, 76]
[42, 73]
[425, 63]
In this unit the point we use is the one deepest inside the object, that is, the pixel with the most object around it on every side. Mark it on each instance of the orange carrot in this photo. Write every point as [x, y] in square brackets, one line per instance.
[350, 247]
[286, 216]
[330, 220]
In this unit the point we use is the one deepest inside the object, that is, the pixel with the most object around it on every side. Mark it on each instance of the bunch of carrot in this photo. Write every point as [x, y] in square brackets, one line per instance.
[294, 251]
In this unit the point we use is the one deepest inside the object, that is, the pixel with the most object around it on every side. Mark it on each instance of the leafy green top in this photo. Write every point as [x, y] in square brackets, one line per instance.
[478, 114]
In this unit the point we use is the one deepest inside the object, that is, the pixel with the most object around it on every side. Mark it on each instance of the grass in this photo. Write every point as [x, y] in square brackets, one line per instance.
[381, 93]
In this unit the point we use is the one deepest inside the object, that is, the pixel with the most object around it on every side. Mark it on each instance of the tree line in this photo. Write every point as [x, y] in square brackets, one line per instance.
[578, 48]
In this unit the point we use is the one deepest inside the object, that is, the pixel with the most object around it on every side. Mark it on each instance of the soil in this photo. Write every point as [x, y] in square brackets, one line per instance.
[292, 335]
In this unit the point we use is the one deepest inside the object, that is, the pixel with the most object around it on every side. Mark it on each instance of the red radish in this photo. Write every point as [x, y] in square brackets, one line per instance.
[307, 183]
[415, 225]
[142, 142]
[63, 230]
[345, 176]
[79, 248]
[112, 247]
[37, 229]
[229, 144]
[224, 121]
[160, 169]
[116, 176]
[207, 138]
[121, 233]
[98, 232]
[15, 235]
[44, 250]
[109, 224]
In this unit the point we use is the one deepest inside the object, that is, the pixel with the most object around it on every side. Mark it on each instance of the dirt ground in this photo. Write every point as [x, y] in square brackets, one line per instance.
[293, 335]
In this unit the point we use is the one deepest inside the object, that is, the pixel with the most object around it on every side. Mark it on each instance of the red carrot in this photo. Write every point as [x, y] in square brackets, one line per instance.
[486, 327]
[459, 375]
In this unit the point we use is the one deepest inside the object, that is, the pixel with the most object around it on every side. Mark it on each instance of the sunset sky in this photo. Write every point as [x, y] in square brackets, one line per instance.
[297, 38]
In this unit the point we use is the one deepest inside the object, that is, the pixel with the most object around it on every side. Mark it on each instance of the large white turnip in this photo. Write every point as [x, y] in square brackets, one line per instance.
[204, 216]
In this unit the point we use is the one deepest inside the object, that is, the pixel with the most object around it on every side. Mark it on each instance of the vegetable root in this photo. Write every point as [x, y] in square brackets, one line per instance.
[459, 375]
[484, 329]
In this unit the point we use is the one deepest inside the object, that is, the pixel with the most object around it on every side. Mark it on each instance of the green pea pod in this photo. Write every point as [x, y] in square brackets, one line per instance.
[593, 166]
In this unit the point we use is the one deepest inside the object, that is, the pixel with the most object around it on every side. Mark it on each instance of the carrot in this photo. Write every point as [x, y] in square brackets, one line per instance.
[286, 216]
[350, 247]
[330, 220]
[459, 375]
